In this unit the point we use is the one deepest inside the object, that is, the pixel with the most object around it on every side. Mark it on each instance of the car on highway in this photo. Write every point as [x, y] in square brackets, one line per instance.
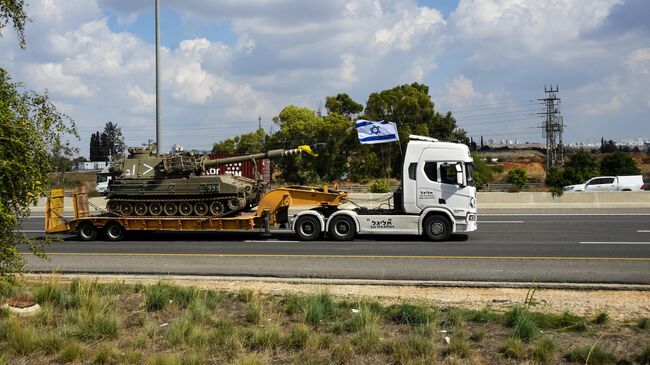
[609, 183]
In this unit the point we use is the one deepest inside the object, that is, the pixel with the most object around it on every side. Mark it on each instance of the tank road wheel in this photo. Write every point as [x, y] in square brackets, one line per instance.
[200, 208]
[185, 208]
[307, 228]
[170, 208]
[155, 208]
[437, 228]
[114, 231]
[140, 208]
[113, 206]
[342, 228]
[217, 208]
[87, 231]
[126, 208]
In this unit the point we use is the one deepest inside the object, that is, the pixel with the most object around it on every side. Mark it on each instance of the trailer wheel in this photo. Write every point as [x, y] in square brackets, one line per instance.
[87, 231]
[307, 228]
[437, 228]
[114, 231]
[342, 228]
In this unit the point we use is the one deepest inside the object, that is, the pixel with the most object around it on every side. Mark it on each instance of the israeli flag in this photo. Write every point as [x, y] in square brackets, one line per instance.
[376, 132]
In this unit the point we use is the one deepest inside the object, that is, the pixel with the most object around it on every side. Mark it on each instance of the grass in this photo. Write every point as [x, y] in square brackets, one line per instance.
[644, 323]
[105, 323]
[595, 354]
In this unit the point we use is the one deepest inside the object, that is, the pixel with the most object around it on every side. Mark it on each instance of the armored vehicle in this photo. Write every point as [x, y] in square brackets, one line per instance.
[147, 184]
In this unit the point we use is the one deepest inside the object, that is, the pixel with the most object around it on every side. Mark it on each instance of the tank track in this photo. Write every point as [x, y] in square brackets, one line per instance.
[176, 208]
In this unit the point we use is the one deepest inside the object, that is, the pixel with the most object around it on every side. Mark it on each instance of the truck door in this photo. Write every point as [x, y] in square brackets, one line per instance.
[438, 185]
[601, 184]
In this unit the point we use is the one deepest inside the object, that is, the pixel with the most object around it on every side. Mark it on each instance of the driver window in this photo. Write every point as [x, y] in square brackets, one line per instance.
[447, 173]
[430, 171]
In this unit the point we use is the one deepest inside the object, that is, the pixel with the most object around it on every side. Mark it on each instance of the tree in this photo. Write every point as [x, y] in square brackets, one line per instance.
[518, 178]
[582, 166]
[618, 163]
[245, 143]
[14, 11]
[607, 147]
[31, 135]
[112, 141]
[342, 104]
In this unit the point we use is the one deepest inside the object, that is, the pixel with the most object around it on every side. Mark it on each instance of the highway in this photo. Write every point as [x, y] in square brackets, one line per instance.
[549, 247]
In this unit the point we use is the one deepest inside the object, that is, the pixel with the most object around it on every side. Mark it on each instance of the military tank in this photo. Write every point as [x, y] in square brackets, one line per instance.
[148, 184]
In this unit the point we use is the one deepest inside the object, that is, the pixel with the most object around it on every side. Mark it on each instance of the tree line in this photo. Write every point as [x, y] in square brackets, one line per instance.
[408, 105]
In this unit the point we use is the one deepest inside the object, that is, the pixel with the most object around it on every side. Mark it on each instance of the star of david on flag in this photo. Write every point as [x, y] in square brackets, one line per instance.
[376, 132]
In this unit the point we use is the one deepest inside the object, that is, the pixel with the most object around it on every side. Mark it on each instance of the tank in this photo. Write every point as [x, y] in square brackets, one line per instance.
[148, 184]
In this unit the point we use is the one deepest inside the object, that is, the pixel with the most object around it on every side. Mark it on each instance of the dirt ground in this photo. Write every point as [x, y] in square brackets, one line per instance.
[621, 305]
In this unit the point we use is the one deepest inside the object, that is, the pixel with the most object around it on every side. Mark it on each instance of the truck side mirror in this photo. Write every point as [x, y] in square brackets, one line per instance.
[459, 175]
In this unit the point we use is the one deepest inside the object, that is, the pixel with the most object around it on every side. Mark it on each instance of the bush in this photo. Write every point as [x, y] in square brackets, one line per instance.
[596, 355]
[379, 186]
[410, 314]
[518, 178]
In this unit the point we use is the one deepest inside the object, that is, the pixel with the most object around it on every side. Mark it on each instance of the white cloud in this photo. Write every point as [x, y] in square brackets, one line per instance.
[58, 82]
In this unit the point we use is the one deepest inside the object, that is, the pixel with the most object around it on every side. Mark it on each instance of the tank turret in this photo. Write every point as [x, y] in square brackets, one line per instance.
[147, 184]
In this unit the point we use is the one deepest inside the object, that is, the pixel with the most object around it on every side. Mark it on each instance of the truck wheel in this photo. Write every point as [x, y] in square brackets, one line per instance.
[87, 231]
[437, 228]
[342, 228]
[114, 231]
[307, 228]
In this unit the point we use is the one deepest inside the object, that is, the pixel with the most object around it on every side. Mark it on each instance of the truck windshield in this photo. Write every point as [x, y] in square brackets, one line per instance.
[102, 178]
[469, 168]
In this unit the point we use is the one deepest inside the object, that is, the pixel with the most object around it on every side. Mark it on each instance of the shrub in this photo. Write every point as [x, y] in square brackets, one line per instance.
[253, 312]
[50, 343]
[156, 297]
[596, 355]
[71, 352]
[513, 348]
[298, 337]
[644, 356]
[342, 354]
[379, 186]
[644, 323]
[179, 331]
[601, 318]
[518, 178]
[318, 307]
[106, 354]
[410, 314]
[544, 350]
[459, 346]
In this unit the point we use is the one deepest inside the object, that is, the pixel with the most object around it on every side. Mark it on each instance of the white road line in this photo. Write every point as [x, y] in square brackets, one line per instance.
[559, 214]
[615, 243]
[270, 241]
[31, 231]
[505, 222]
[643, 231]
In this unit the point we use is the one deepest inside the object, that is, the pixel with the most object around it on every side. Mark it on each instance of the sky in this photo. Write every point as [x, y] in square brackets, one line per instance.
[226, 63]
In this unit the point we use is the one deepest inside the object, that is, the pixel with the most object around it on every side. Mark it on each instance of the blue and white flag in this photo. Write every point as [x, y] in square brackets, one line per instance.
[376, 132]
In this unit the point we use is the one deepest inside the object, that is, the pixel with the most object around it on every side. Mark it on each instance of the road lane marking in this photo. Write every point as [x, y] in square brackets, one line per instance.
[504, 222]
[614, 243]
[317, 256]
[270, 241]
[29, 231]
[560, 214]
[643, 231]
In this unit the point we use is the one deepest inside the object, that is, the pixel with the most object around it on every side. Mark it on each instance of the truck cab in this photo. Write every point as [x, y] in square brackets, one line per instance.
[437, 198]
[103, 178]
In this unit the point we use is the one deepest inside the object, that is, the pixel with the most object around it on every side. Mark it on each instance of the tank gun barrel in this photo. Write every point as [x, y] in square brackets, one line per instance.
[273, 154]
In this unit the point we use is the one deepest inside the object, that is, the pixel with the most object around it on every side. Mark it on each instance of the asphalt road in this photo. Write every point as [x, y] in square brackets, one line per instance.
[549, 247]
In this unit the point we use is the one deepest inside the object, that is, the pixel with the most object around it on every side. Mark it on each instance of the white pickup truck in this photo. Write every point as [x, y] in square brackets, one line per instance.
[609, 183]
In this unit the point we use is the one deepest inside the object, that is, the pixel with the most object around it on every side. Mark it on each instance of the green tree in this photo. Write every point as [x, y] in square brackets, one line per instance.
[246, 143]
[112, 141]
[582, 166]
[482, 173]
[14, 11]
[342, 104]
[518, 178]
[607, 147]
[618, 163]
[556, 181]
[31, 131]
[300, 126]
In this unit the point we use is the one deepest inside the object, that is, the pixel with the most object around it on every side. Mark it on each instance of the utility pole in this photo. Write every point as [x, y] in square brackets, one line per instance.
[159, 146]
[553, 127]
[259, 122]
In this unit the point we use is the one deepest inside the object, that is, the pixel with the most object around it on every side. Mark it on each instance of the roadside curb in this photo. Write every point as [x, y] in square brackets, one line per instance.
[320, 281]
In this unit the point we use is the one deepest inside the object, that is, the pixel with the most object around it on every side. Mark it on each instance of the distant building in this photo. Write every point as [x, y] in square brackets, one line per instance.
[90, 166]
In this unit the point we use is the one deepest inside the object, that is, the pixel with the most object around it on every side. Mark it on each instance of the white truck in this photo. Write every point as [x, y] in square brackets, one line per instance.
[103, 178]
[609, 183]
[436, 199]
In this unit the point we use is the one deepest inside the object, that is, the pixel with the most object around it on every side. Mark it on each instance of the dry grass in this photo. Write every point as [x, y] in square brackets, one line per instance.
[91, 322]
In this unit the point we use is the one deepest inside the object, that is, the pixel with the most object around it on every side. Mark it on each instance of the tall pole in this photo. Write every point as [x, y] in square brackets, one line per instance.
[159, 146]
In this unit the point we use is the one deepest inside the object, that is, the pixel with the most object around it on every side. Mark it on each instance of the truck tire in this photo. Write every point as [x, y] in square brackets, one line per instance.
[114, 231]
[436, 228]
[87, 231]
[342, 228]
[307, 228]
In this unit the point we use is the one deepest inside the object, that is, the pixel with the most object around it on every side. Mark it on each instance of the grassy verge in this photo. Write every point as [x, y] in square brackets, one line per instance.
[115, 323]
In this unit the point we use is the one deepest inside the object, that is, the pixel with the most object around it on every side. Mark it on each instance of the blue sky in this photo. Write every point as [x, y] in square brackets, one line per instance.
[226, 63]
